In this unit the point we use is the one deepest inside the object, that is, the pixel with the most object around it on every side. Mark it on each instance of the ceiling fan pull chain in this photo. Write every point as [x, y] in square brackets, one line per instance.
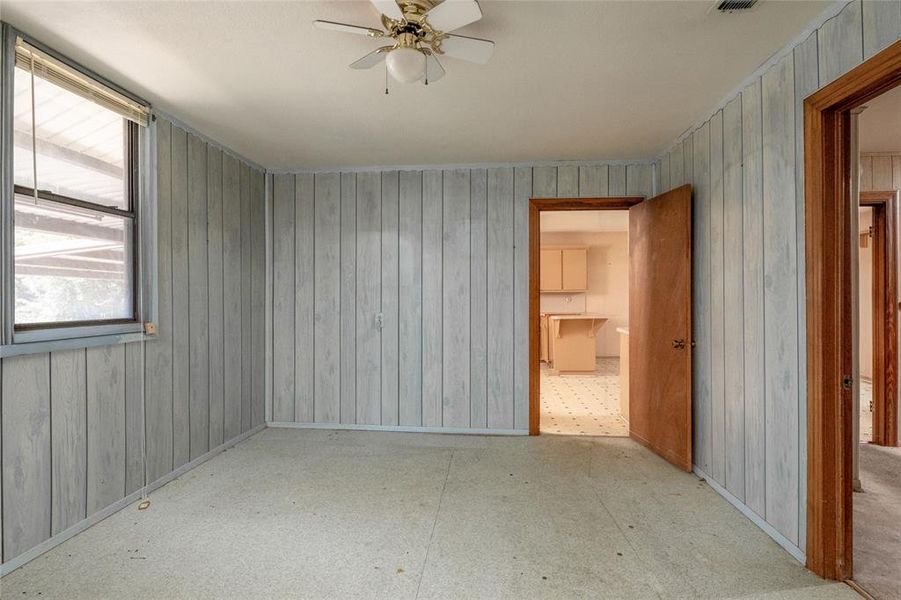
[427, 69]
[386, 79]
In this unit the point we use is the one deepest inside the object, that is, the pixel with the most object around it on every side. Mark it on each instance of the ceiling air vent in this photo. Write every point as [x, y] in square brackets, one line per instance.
[734, 5]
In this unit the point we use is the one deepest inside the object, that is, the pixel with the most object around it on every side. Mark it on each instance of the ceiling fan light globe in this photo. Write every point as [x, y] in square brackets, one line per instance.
[406, 65]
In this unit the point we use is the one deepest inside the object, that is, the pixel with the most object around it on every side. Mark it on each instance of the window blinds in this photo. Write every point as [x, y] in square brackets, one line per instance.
[58, 73]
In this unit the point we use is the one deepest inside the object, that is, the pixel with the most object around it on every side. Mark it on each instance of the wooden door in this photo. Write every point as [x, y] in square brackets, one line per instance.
[575, 269]
[551, 270]
[660, 325]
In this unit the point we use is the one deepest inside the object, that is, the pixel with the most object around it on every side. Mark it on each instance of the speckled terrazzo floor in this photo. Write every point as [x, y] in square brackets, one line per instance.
[320, 514]
[583, 404]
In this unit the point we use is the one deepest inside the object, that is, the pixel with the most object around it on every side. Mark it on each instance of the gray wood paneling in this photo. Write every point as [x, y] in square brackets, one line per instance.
[500, 293]
[752, 217]
[699, 150]
[617, 180]
[327, 299]
[456, 299]
[441, 257]
[390, 250]
[231, 208]
[432, 365]
[640, 180]
[676, 165]
[68, 435]
[733, 301]
[593, 181]
[134, 417]
[369, 251]
[258, 297]
[780, 296]
[716, 248]
[181, 333]
[665, 173]
[522, 191]
[348, 298]
[159, 350]
[881, 25]
[216, 308]
[26, 471]
[568, 181]
[106, 426]
[76, 423]
[764, 330]
[544, 182]
[198, 298]
[841, 43]
[478, 291]
[283, 298]
[410, 298]
[246, 318]
[806, 82]
[304, 285]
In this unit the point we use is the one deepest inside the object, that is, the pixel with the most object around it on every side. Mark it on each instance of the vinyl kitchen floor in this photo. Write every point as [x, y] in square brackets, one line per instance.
[583, 404]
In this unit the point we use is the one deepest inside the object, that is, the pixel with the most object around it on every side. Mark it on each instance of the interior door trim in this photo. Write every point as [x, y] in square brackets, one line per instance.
[885, 314]
[536, 206]
[829, 238]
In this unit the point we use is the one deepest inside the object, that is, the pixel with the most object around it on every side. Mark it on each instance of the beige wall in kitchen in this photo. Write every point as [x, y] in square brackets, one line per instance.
[608, 280]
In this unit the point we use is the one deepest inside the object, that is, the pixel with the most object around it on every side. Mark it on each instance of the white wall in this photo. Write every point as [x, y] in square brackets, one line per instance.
[745, 164]
[608, 280]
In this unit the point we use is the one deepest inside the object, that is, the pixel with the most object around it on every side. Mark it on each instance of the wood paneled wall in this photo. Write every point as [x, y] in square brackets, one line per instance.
[880, 172]
[71, 420]
[401, 297]
[746, 165]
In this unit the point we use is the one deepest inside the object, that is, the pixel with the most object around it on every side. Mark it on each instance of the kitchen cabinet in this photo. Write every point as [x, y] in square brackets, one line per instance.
[564, 269]
[551, 271]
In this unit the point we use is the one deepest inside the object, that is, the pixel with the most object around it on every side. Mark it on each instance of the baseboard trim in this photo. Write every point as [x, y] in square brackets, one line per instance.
[780, 539]
[397, 428]
[50, 543]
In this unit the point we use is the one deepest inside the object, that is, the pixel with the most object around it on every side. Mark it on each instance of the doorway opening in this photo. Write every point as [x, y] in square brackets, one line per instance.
[657, 323]
[584, 303]
[832, 205]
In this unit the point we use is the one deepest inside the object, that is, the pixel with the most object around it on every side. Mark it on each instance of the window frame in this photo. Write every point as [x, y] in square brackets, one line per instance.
[141, 141]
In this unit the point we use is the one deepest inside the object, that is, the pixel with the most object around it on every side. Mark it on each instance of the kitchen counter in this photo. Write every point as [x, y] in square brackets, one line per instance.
[571, 339]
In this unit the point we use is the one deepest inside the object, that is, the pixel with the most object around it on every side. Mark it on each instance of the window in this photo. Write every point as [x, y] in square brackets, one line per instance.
[75, 201]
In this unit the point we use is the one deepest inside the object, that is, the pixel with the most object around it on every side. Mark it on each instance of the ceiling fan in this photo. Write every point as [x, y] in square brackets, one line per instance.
[419, 31]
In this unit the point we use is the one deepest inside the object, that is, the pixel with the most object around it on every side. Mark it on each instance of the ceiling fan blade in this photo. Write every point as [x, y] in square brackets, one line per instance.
[433, 69]
[345, 28]
[388, 8]
[372, 59]
[472, 49]
[454, 14]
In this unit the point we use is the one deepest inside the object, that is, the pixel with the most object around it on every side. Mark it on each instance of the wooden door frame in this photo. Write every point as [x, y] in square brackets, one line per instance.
[829, 235]
[536, 207]
[885, 314]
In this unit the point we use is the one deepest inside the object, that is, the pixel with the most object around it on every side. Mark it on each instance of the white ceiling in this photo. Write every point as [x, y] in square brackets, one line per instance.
[569, 80]
[880, 123]
[585, 221]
